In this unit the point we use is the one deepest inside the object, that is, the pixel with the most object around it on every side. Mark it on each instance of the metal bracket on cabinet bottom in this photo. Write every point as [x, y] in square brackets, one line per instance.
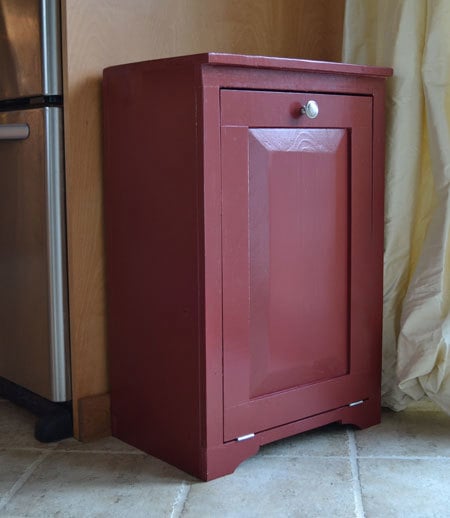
[245, 437]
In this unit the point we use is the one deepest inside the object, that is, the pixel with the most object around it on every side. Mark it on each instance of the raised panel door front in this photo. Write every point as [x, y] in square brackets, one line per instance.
[291, 188]
[298, 243]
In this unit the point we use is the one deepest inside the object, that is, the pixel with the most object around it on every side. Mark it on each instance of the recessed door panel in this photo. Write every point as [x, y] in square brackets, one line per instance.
[289, 192]
[298, 242]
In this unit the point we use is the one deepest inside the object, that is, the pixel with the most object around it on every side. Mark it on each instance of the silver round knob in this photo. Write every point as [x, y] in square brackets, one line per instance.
[311, 109]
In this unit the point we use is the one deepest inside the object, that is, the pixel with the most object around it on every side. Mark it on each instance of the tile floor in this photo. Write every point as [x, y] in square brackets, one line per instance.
[400, 468]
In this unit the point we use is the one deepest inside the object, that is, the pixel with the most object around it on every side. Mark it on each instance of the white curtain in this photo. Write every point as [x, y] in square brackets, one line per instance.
[412, 36]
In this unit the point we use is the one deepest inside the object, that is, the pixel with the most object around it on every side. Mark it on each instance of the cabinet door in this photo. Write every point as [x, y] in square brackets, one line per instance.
[296, 237]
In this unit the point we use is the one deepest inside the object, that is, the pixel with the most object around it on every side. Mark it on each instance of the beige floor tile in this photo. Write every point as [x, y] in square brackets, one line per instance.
[12, 465]
[404, 469]
[107, 444]
[404, 488]
[276, 487]
[413, 433]
[424, 405]
[328, 441]
[17, 431]
[17, 428]
[98, 485]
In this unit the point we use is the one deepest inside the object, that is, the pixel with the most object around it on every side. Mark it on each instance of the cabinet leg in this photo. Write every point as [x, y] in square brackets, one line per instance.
[223, 460]
[364, 415]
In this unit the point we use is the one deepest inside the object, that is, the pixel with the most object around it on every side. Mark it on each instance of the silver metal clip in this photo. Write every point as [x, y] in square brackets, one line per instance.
[245, 437]
[356, 403]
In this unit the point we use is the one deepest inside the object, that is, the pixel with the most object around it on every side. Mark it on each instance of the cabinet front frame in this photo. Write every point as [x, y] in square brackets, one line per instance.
[244, 411]
[213, 79]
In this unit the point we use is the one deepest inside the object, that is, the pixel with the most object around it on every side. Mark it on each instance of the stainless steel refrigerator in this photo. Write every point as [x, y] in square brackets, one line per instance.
[34, 345]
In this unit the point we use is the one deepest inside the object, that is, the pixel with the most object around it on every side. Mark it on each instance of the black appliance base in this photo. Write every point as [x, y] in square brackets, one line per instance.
[55, 420]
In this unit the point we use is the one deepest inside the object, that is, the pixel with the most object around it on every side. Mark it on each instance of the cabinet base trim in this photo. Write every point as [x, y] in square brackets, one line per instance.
[94, 417]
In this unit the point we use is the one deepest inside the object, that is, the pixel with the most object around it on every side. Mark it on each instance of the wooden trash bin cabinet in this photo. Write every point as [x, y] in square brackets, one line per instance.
[244, 242]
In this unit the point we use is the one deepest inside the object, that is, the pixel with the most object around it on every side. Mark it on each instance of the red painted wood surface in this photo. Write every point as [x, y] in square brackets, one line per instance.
[288, 255]
[153, 263]
[198, 165]
[275, 63]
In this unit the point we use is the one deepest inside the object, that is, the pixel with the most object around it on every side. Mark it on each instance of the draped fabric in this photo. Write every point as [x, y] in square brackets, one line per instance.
[412, 36]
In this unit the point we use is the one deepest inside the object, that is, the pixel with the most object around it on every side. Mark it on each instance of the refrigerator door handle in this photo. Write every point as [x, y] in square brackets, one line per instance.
[14, 131]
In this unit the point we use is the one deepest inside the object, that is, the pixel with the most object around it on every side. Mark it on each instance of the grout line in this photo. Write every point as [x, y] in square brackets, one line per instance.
[406, 457]
[20, 482]
[27, 448]
[61, 450]
[269, 455]
[24, 448]
[100, 452]
[180, 500]
[357, 492]
[303, 456]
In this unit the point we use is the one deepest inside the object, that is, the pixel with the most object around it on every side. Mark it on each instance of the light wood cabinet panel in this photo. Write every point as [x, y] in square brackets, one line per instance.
[97, 34]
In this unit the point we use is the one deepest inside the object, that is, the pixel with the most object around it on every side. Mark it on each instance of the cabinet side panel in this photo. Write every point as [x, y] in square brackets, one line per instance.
[378, 157]
[151, 181]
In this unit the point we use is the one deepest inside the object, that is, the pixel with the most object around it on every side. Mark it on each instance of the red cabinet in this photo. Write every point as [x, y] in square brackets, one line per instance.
[244, 226]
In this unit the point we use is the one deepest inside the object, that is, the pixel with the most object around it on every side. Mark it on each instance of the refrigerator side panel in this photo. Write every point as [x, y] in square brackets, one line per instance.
[33, 316]
[30, 43]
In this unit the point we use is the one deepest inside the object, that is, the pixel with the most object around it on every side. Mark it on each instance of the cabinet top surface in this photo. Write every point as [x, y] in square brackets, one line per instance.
[278, 63]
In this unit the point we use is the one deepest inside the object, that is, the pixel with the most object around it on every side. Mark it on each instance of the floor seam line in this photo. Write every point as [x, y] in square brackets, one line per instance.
[180, 500]
[101, 452]
[21, 481]
[55, 450]
[405, 457]
[356, 482]
[327, 457]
